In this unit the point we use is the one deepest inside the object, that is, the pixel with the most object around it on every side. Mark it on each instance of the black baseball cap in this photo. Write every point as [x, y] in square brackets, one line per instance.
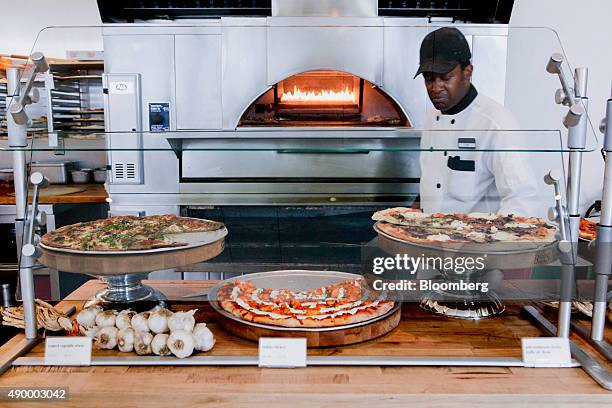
[442, 50]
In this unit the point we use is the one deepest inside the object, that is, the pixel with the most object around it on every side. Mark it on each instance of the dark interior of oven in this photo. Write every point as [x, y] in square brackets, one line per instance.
[324, 98]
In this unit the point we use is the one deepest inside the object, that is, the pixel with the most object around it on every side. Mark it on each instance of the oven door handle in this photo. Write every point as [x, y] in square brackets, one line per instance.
[323, 151]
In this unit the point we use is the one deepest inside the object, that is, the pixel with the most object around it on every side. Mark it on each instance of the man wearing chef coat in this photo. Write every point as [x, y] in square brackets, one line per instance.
[469, 177]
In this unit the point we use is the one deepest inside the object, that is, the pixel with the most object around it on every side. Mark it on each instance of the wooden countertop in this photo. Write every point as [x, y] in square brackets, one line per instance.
[94, 193]
[419, 334]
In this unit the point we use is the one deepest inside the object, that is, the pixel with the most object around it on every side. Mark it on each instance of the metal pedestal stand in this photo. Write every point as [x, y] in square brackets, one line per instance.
[123, 272]
[473, 305]
[127, 291]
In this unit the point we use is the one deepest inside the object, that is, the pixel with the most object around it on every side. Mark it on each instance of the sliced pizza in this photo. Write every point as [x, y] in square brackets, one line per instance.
[339, 304]
[127, 233]
[480, 228]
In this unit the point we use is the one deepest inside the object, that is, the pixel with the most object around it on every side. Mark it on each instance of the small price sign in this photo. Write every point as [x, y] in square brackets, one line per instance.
[277, 352]
[546, 352]
[68, 351]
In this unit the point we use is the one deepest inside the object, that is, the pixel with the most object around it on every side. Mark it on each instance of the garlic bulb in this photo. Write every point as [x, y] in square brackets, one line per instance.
[182, 321]
[139, 321]
[181, 343]
[106, 338]
[142, 342]
[158, 320]
[96, 309]
[87, 317]
[124, 319]
[125, 339]
[106, 318]
[159, 345]
[203, 337]
[89, 332]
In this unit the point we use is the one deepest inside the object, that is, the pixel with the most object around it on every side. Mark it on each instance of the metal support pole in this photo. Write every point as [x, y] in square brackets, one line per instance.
[30, 251]
[17, 135]
[565, 303]
[600, 306]
[26, 277]
[603, 260]
[559, 213]
[576, 144]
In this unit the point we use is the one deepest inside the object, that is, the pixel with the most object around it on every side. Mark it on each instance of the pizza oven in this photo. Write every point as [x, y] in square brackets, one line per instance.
[324, 98]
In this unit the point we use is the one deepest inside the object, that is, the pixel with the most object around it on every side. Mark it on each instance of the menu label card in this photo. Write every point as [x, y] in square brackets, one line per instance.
[68, 351]
[277, 352]
[546, 352]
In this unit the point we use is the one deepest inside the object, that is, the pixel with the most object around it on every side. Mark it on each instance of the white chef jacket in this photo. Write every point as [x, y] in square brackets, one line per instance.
[477, 180]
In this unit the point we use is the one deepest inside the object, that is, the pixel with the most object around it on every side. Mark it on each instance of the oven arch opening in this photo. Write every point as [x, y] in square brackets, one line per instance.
[324, 98]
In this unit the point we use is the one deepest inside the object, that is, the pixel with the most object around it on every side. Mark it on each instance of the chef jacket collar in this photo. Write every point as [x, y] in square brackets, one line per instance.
[463, 103]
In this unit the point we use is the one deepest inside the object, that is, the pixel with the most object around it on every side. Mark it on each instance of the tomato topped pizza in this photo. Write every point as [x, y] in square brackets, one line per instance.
[478, 228]
[339, 304]
[588, 229]
[126, 233]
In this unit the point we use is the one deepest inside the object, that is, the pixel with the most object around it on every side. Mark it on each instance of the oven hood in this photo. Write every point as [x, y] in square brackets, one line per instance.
[325, 8]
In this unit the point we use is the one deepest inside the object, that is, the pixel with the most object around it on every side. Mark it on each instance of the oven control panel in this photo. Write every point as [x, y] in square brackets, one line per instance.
[159, 117]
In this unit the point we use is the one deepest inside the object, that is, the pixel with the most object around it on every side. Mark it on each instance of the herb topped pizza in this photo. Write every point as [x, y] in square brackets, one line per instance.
[127, 233]
[339, 304]
[476, 228]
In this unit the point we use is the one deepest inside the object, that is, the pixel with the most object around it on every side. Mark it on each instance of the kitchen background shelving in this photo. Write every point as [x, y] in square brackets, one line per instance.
[74, 91]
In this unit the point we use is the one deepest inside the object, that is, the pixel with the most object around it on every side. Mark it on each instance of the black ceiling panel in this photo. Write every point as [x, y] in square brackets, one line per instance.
[127, 11]
[474, 11]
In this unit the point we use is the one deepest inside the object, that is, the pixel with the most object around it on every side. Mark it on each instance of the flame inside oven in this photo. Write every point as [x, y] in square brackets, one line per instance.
[324, 98]
[321, 96]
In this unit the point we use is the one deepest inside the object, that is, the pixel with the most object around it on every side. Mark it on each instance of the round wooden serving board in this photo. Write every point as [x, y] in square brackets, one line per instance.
[100, 265]
[328, 338]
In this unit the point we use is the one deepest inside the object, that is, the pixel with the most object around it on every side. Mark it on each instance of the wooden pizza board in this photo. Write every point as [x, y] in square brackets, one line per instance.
[100, 265]
[330, 338]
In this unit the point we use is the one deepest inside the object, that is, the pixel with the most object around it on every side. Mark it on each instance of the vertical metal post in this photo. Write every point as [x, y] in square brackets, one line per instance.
[17, 135]
[565, 303]
[603, 260]
[576, 144]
